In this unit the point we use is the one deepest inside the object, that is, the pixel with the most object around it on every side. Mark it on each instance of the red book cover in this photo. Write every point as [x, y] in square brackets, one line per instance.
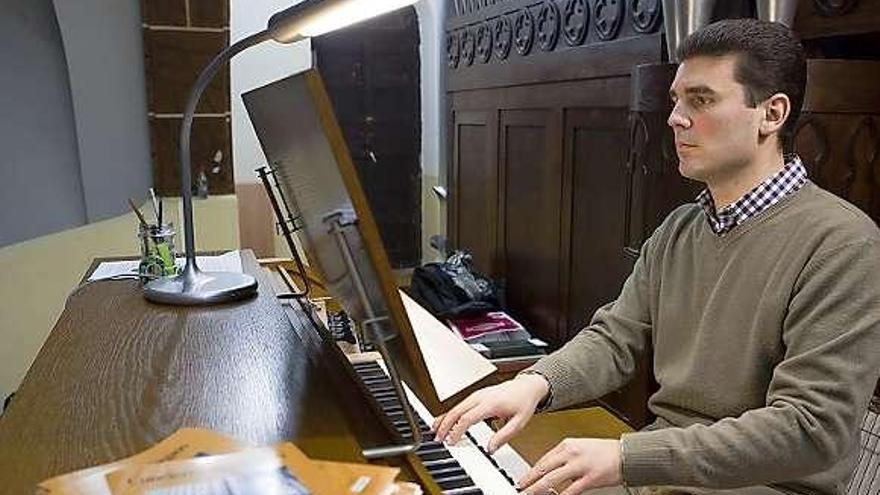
[489, 323]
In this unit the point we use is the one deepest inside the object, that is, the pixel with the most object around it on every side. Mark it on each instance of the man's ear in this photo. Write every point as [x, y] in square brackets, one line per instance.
[777, 109]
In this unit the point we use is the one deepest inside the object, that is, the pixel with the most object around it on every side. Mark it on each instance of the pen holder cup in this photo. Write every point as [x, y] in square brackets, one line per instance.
[157, 252]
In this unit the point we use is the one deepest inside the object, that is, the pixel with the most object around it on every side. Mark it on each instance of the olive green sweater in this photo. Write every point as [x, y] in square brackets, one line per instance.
[766, 347]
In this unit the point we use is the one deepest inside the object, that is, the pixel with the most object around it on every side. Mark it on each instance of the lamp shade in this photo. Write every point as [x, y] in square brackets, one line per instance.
[316, 17]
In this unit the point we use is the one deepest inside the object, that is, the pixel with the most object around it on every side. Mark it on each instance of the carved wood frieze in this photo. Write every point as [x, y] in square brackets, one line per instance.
[453, 50]
[645, 15]
[484, 42]
[468, 46]
[503, 37]
[547, 21]
[575, 21]
[524, 31]
[497, 28]
[607, 17]
[834, 7]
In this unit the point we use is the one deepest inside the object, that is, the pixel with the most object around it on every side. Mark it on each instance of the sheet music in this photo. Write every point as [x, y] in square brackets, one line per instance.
[228, 262]
[452, 364]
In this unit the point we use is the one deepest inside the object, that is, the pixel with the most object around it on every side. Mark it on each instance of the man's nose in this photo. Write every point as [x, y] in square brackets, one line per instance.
[677, 118]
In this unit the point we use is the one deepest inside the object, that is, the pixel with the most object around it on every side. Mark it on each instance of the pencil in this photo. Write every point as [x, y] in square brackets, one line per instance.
[137, 212]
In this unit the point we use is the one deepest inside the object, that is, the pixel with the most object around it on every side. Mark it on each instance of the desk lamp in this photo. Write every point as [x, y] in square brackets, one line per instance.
[303, 20]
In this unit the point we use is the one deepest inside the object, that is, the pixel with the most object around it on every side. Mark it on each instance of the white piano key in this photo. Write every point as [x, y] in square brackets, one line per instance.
[484, 474]
[506, 457]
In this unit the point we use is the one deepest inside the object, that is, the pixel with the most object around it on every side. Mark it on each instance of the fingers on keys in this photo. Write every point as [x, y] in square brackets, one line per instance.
[451, 426]
[503, 435]
[550, 462]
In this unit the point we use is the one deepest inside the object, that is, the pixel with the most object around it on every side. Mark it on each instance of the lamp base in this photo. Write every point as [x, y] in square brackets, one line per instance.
[197, 288]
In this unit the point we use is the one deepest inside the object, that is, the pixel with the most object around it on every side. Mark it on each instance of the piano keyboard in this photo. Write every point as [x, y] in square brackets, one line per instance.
[462, 469]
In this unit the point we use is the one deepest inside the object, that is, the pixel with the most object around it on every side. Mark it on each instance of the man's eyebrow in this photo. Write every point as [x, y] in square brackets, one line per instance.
[694, 90]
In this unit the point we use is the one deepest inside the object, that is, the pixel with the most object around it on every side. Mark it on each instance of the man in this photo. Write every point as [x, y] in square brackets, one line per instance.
[762, 302]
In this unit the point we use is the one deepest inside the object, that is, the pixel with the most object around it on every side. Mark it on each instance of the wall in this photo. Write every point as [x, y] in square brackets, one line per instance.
[40, 184]
[39, 274]
[253, 68]
[431, 16]
[104, 49]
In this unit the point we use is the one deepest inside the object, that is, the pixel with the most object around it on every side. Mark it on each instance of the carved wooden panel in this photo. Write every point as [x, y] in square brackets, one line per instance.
[475, 188]
[838, 135]
[531, 206]
[823, 18]
[496, 43]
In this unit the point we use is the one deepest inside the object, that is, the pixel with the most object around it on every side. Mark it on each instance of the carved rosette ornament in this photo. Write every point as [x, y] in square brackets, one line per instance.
[503, 37]
[484, 43]
[834, 7]
[523, 31]
[468, 47]
[548, 25]
[575, 21]
[453, 50]
[608, 16]
[646, 15]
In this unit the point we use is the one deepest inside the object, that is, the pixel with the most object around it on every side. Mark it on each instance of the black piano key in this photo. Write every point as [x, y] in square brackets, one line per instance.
[464, 491]
[433, 454]
[430, 445]
[440, 464]
[451, 482]
[446, 472]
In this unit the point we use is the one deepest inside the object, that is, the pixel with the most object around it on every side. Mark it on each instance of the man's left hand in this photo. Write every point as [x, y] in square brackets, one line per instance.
[585, 462]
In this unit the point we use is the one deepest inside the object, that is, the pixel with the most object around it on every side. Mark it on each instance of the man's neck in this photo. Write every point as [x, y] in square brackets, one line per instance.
[729, 189]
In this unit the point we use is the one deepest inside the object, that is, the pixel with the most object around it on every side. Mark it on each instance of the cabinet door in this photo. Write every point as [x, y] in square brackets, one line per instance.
[474, 196]
[531, 209]
[596, 152]
[597, 146]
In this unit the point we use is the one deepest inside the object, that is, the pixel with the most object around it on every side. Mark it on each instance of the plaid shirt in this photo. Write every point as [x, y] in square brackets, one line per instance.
[766, 194]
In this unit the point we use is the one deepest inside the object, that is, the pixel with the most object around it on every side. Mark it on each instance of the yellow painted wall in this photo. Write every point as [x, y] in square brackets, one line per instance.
[37, 275]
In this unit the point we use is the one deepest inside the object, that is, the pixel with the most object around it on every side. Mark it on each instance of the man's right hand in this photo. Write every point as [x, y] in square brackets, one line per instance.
[514, 401]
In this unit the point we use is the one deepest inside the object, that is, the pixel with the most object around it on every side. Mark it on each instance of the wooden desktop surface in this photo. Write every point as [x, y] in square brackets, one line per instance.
[118, 373]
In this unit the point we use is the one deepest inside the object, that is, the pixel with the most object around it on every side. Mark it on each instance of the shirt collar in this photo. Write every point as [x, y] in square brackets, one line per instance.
[786, 181]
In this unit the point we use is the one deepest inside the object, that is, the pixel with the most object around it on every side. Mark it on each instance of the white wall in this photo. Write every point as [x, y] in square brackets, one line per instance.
[253, 68]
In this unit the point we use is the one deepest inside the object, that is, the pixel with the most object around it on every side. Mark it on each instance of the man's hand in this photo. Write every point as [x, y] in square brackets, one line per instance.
[585, 462]
[514, 400]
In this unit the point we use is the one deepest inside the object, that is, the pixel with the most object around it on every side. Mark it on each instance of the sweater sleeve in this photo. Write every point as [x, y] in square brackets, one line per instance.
[602, 357]
[816, 399]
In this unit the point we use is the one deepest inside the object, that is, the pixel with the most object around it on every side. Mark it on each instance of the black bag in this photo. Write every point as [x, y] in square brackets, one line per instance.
[451, 288]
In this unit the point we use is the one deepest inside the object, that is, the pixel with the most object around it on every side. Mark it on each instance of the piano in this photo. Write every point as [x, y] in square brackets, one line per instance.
[464, 468]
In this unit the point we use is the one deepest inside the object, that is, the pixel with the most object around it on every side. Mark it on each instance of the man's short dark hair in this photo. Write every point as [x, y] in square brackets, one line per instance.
[770, 60]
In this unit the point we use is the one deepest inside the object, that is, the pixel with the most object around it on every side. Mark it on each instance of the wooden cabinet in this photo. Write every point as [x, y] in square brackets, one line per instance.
[563, 164]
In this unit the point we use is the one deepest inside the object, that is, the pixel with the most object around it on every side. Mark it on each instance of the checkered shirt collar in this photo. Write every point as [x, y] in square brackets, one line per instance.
[766, 194]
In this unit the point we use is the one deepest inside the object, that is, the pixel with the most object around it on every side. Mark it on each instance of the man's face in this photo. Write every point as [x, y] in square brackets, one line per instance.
[716, 133]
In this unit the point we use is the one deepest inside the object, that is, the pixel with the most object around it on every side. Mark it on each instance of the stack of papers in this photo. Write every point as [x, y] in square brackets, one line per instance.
[195, 461]
[229, 262]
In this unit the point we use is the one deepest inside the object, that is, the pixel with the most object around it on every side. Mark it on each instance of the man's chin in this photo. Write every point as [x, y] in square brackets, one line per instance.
[689, 170]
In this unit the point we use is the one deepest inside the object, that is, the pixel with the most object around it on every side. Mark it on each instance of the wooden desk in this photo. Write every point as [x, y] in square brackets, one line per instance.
[118, 373]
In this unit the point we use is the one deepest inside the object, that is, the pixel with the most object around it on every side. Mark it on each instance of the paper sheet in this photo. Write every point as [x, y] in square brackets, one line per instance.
[228, 262]
[452, 364]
